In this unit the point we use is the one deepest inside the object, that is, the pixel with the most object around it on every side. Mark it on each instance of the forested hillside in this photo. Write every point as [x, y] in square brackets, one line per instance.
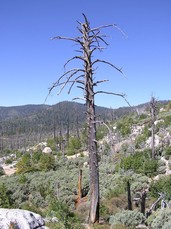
[21, 126]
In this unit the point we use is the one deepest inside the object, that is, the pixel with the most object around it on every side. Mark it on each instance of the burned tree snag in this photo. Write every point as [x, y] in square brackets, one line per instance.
[153, 110]
[129, 196]
[81, 194]
[143, 201]
[89, 42]
[80, 184]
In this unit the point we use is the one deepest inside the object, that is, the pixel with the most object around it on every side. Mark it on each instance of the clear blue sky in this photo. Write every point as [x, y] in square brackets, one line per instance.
[30, 62]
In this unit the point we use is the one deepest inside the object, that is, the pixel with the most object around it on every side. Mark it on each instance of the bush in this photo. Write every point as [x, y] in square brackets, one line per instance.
[141, 139]
[52, 143]
[24, 165]
[167, 152]
[161, 169]
[167, 225]
[140, 162]
[61, 211]
[4, 197]
[127, 218]
[162, 185]
[167, 121]
[150, 167]
[35, 162]
[159, 219]
[124, 126]
[2, 172]
[169, 163]
[46, 162]
[101, 132]
[74, 146]
[8, 161]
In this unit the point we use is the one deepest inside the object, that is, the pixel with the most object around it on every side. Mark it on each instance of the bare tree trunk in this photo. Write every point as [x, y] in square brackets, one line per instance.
[129, 196]
[93, 165]
[143, 200]
[91, 121]
[80, 185]
[152, 142]
[153, 107]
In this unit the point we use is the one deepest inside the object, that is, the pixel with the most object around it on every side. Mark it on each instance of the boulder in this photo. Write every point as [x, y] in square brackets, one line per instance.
[47, 150]
[20, 219]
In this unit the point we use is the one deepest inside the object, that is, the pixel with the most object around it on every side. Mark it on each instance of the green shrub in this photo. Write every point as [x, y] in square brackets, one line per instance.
[61, 211]
[169, 163]
[143, 116]
[141, 139]
[116, 191]
[167, 225]
[35, 162]
[167, 120]
[159, 219]
[22, 179]
[140, 162]
[167, 151]
[150, 167]
[30, 207]
[127, 218]
[101, 132]
[4, 197]
[52, 143]
[161, 163]
[162, 185]
[161, 169]
[124, 126]
[18, 154]
[46, 162]
[8, 161]
[24, 165]
[2, 172]
[74, 146]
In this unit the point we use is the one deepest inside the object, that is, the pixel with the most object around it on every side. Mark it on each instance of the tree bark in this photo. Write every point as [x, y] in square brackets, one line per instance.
[91, 122]
[143, 200]
[153, 104]
[129, 196]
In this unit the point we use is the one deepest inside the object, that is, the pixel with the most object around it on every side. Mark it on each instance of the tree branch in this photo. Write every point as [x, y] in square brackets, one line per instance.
[80, 98]
[100, 81]
[75, 81]
[67, 38]
[75, 57]
[116, 94]
[68, 80]
[100, 38]
[106, 62]
[103, 26]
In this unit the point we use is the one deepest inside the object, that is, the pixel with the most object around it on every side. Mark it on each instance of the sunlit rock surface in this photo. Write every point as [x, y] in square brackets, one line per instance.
[20, 219]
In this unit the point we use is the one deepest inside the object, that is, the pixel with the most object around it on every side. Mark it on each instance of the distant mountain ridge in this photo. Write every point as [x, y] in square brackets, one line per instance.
[29, 110]
[20, 111]
[24, 111]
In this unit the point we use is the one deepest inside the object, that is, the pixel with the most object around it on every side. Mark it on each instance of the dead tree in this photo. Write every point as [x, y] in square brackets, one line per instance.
[129, 196]
[153, 206]
[89, 42]
[153, 110]
[143, 201]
